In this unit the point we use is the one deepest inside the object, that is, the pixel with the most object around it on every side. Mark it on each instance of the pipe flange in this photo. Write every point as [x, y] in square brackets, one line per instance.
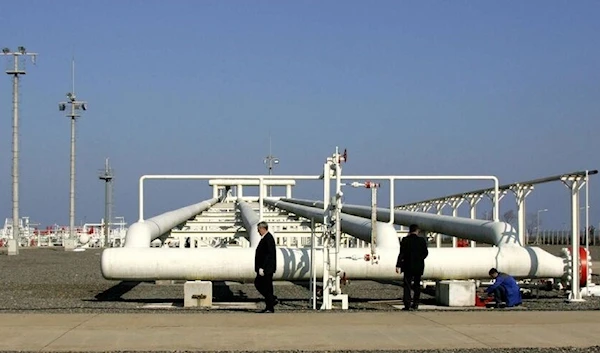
[585, 268]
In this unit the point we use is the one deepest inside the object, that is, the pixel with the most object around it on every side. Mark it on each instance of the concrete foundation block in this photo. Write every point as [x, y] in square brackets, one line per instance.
[13, 248]
[197, 293]
[69, 244]
[455, 293]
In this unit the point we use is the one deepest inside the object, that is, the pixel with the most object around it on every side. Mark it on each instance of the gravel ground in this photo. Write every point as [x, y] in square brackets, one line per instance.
[52, 280]
[480, 350]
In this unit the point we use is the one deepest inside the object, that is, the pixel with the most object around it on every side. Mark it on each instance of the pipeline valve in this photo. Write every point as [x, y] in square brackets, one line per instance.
[374, 258]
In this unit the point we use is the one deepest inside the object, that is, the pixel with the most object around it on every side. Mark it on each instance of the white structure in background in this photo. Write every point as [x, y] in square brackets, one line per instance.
[26, 230]
[88, 236]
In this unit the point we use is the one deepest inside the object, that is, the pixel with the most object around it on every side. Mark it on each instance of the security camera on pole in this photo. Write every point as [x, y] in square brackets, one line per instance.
[70, 243]
[270, 161]
[13, 244]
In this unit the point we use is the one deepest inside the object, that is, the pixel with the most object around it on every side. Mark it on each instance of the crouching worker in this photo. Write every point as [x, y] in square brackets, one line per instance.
[505, 290]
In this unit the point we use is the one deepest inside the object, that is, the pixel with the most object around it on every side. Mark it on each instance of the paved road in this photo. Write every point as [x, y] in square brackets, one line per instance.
[305, 331]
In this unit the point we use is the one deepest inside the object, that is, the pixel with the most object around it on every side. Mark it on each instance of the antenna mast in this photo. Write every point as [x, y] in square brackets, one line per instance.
[73, 115]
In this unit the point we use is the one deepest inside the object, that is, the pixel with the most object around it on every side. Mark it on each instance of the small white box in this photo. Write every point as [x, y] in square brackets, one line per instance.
[197, 293]
[455, 293]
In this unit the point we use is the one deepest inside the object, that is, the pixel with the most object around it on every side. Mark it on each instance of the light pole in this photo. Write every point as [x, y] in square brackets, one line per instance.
[75, 106]
[270, 161]
[587, 231]
[107, 176]
[538, 224]
[15, 72]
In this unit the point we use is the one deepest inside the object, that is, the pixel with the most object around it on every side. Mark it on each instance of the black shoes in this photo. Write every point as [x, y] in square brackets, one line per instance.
[270, 311]
[266, 311]
[411, 307]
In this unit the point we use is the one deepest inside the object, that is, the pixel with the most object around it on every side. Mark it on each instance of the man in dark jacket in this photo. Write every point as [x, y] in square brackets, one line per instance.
[265, 263]
[411, 261]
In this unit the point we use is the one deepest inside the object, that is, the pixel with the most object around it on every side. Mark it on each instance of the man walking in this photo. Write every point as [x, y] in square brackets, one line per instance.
[411, 261]
[265, 263]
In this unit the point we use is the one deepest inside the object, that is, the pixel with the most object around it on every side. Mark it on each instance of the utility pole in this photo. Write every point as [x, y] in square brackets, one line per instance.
[13, 247]
[270, 161]
[107, 176]
[75, 106]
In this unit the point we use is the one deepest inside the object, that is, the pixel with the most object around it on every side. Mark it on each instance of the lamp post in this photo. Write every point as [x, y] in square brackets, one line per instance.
[587, 226]
[107, 176]
[538, 224]
[15, 72]
[75, 106]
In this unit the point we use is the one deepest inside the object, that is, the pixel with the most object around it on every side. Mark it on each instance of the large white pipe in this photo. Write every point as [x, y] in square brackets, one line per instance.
[250, 220]
[140, 234]
[358, 227]
[481, 231]
[237, 264]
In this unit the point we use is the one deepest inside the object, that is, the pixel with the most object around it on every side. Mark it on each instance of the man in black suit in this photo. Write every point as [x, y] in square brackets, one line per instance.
[265, 263]
[411, 261]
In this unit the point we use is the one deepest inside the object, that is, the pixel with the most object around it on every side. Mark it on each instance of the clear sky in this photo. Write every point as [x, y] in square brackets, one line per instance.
[436, 87]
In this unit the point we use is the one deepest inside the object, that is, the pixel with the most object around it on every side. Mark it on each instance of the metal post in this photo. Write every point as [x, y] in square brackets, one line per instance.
[15, 167]
[473, 200]
[574, 183]
[374, 222]
[270, 161]
[438, 237]
[72, 178]
[537, 240]
[326, 230]
[107, 176]
[15, 72]
[338, 220]
[73, 115]
[455, 203]
[521, 192]
[587, 212]
[313, 267]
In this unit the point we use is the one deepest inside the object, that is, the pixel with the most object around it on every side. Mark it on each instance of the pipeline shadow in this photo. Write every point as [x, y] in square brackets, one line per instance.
[115, 292]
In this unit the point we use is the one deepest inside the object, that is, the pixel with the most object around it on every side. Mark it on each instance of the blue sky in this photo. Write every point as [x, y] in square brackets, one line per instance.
[173, 87]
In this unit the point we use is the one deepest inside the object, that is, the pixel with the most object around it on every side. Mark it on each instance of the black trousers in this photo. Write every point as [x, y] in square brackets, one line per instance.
[412, 281]
[264, 285]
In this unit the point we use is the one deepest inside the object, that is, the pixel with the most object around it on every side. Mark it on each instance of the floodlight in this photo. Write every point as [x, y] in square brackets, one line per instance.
[22, 50]
[5, 50]
[276, 161]
[83, 106]
[62, 106]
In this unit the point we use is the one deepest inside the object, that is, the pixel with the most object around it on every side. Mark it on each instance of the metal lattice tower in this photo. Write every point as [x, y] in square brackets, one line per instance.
[75, 106]
[15, 72]
[107, 176]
